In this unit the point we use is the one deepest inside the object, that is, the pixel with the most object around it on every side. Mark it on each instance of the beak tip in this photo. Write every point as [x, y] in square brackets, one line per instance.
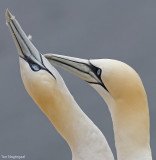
[47, 55]
[8, 15]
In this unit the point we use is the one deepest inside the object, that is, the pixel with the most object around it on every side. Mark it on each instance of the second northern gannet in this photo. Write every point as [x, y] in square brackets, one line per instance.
[122, 89]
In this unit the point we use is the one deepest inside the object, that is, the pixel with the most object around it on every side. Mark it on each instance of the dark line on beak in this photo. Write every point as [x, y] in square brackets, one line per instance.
[26, 58]
[45, 67]
[23, 40]
[90, 66]
[71, 65]
[16, 39]
[101, 84]
[71, 60]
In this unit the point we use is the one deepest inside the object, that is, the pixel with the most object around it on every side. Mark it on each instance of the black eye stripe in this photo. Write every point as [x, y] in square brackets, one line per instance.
[30, 62]
[97, 71]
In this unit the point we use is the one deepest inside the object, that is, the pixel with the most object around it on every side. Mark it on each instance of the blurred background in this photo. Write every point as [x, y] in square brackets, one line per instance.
[122, 30]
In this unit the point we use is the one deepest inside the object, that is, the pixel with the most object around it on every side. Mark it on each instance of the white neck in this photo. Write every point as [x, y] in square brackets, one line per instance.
[131, 128]
[131, 134]
[53, 98]
[84, 138]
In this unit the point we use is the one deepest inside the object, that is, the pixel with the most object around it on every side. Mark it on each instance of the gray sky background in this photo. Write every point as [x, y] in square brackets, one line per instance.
[123, 30]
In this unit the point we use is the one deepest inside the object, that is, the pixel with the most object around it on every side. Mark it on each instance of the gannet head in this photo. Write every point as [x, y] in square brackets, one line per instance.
[40, 78]
[110, 77]
[122, 82]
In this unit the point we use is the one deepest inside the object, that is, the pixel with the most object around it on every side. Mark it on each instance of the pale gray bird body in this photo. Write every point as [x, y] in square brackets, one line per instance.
[122, 89]
[47, 88]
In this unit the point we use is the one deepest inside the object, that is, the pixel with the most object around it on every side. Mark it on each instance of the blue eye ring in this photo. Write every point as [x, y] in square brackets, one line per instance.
[35, 67]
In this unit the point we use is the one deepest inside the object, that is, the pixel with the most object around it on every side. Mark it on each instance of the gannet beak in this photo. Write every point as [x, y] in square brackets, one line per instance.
[80, 67]
[26, 49]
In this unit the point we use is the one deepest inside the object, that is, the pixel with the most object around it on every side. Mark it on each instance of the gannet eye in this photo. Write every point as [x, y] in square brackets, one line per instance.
[35, 67]
[98, 72]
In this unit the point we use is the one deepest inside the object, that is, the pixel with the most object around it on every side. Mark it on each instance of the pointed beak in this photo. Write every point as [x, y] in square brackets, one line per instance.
[80, 67]
[26, 49]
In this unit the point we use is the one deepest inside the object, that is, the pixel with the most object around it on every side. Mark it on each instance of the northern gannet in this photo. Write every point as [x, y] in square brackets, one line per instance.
[47, 88]
[122, 89]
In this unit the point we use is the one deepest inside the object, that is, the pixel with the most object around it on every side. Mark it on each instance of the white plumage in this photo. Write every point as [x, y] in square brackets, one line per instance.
[122, 89]
[47, 88]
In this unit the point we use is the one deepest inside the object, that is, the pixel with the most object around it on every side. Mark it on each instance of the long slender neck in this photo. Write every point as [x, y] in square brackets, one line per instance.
[131, 126]
[84, 138]
[131, 130]
[53, 98]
